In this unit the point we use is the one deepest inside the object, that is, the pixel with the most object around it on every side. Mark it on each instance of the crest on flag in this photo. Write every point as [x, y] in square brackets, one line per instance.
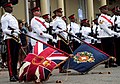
[84, 57]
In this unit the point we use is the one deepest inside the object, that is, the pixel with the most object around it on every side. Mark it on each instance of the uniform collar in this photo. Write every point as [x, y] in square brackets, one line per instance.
[58, 17]
[72, 22]
[7, 13]
[36, 17]
[104, 14]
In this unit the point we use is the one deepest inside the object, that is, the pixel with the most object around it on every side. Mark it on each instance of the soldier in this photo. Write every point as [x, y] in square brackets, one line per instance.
[46, 17]
[51, 25]
[74, 29]
[53, 17]
[116, 18]
[39, 29]
[96, 32]
[65, 19]
[107, 34]
[11, 31]
[86, 31]
[59, 26]
[53, 20]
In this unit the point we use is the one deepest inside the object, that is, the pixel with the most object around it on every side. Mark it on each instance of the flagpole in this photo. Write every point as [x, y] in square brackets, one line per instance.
[84, 42]
[74, 36]
[47, 44]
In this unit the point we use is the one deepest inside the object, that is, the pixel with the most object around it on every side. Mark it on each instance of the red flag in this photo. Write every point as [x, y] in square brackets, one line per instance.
[38, 67]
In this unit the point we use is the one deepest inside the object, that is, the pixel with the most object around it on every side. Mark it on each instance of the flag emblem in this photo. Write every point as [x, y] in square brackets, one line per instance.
[39, 58]
[85, 56]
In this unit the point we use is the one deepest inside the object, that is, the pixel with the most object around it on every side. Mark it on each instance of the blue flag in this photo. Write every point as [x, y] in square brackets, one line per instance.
[86, 57]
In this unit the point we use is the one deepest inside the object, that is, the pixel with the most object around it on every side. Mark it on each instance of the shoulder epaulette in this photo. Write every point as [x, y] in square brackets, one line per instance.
[5, 15]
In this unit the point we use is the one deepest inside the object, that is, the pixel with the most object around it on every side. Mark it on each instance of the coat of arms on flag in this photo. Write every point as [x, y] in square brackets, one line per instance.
[85, 58]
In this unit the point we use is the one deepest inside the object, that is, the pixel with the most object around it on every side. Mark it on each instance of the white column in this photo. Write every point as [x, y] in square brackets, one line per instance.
[27, 11]
[45, 6]
[1, 12]
[103, 2]
[90, 10]
[61, 5]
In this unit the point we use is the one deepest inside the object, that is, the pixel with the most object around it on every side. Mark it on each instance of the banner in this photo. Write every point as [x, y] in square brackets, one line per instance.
[38, 67]
[86, 57]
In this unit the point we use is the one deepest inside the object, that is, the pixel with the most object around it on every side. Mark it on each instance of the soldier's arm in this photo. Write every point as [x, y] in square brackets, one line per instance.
[4, 27]
[107, 30]
[38, 30]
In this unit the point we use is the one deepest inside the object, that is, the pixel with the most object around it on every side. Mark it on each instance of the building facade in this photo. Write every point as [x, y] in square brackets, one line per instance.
[81, 8]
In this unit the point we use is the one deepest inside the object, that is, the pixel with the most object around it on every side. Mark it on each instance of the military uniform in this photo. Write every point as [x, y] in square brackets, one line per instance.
[86, 31]
[107, 34]
[65, 19]
[39, 29]
[47, 19]
[11, 30]
[58, 26]
[51, 25]
[116, 19]
[96, 32]
[73, 28]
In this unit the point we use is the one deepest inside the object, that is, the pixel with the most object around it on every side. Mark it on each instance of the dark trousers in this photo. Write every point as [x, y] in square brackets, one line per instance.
[108, 46]
[75, 44]
[63, 46]
[98, 45]
[12, 54]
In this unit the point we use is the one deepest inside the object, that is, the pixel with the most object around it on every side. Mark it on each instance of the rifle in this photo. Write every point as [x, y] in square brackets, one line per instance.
[64, 40]
[76, 36]
[96, 32]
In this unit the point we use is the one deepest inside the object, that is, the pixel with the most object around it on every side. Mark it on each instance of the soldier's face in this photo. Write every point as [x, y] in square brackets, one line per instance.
[47, 19]
[9, 9]
[73, 20]
[59, 14]
[37, 13]
[105, 10]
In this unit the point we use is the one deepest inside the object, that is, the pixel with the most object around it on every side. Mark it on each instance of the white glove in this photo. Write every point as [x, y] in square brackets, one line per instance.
[15, 34]
[95, 39]
[77, 40]
[115, 34]
[54, 40]
[48, 36]
[118, 34]
[17, 31]
[58, 31]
